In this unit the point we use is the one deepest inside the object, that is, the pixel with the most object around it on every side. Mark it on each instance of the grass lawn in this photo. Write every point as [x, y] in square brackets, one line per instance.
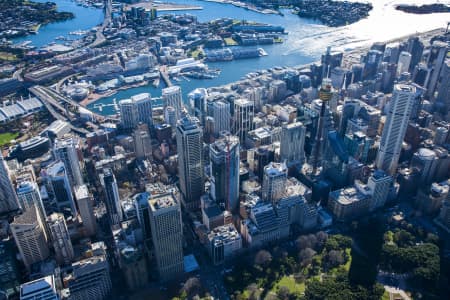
[278, 40]
[349, 262]
[385, 296]
[5, 138]
[195, 53]
[289, 282]
[230, 42]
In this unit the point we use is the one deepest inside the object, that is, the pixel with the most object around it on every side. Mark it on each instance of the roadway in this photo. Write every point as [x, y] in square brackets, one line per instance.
[99, 36]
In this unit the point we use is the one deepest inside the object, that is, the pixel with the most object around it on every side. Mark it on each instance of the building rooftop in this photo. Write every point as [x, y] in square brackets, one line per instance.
[348, 196]
[28, 217]
[81, 192]
[223, 235]
[162, 201]
[38, 286]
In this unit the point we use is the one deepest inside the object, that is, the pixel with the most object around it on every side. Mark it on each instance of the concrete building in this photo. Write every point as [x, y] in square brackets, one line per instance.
[274, 182]
[224, 155]
[190, 162]
[85, 207]
[379, 184]
[292, 144]
[30, 197]
[404, 61]
[223, 243]
[60, 238]
[89, 278]
[142, 142]
[221, 115]
[40, 289]
[171, 96]
[8, 198]
[348, 203]
[137, 109]
[112, 198]
[197, 101]
[435, 60]
[30, 236]
[244, 111]
[443, 97]
[167, 234]
[395, 127]
[66, 150]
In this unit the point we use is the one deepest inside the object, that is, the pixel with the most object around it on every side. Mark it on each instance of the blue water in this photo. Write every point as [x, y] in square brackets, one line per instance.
[85, 19]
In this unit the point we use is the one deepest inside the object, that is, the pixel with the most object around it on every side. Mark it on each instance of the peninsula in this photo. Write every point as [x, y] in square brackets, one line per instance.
[424, 9]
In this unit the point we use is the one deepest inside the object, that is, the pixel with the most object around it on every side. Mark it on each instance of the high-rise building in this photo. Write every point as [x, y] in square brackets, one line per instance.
[89, 278]
[244, 111]
[404, 61]
[65, 150]
[40, 289]
[60, 238]
[379, 184]
[59, 189]
[443, 97]
[167, 235]
[30, 197]
[112, 198]
[274, 182]
[170, 116]
[197, 101]
[84, 201]
[31, 240]
[8, 198]
[415, 47]
[221, 116]
[171, 96]
[137, 109]
[190, 162]
[292, 144]
[224, 155]
[142, 142]
[141, 207]
[395, 127]
[436, 58]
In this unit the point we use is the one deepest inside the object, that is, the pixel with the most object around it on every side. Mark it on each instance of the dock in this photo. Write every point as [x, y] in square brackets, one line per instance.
[165, 76]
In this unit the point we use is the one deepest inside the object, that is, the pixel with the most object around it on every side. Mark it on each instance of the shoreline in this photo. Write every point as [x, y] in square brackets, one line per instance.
[94, 97]
[350, 57]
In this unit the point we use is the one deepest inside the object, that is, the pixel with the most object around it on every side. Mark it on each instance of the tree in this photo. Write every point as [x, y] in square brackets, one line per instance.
[283, 293]
[263, 258]
[306, 241]
[334, 258]
[305, 256]
[192, 287]
[321, 237]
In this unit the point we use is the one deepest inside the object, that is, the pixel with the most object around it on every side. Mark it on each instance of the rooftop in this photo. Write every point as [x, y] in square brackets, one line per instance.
[163, 201]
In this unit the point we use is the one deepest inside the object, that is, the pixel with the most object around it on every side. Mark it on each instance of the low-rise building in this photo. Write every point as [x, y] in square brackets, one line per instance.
[348, 203]
[223, 243]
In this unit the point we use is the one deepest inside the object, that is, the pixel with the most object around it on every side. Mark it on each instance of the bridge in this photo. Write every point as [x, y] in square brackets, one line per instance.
[99, 37]
[165, 76]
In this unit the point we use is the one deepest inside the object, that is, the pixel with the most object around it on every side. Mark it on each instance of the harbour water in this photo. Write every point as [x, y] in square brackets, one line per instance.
[306, 40]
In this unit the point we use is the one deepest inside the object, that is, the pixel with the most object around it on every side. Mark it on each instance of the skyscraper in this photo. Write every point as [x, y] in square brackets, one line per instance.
[190, 162]
[436, 58]
[31, 240]
[292, 143]
[243, 118]
[379, 184]
[274, 182]
[8, 198]
[137, 109]
[84, 201]
[224, 155]
[221, 116]
[142, 142]
[65, 150]
[60, 238]
[171, 96]
[112, 198]
[395, 127]
[167, 235]
[30, 197]
[443, 97]
[404, 60]
[197, 102]
[59, 189]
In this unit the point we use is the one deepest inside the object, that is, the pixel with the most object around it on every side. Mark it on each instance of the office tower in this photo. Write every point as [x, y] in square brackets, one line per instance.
[371, 62]
[8, 198]
[415, 47]
[31, 240]
[395, 127]
[137, 109]
[262, 156]
[443, 97]
[221, 115]
[274, 182]
[167, 235]
[65, 150]
[436, 58]
[60, 238]
[112, 198]
[292, 144]
[142, 142]
[243, 118]
[197, 101]
[170, 116]
[441, 136]
[425, 161]
[190, 162]
[404, 61]
[329, 61]
[171, 96]
[224, 155]
[40, 289]
[141, 207]
[84, 201]
[379, 184]
[30, 197]
[89, 278]
[59, 189]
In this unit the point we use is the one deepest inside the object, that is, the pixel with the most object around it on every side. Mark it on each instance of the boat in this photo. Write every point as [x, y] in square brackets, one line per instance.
[156, 82]
[262, 52]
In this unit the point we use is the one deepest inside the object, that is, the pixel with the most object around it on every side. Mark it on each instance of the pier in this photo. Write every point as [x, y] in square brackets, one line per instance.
[165, 76]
